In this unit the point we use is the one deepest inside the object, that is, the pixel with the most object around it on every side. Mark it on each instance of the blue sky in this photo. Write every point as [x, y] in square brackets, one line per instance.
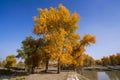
[98, 17]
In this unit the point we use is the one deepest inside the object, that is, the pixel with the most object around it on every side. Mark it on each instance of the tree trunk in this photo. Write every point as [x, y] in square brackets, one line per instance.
[32, 69]
[74, 67]
[81, 70]
[46, 66]
[58, 70]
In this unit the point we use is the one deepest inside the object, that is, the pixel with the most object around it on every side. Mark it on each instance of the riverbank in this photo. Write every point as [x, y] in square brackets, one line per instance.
[103, 68]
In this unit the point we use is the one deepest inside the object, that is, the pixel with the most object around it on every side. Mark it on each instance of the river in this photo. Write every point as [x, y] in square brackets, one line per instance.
[102, 75]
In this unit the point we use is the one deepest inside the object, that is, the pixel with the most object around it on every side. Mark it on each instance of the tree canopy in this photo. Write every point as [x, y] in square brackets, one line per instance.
[58, 40]
[10, 61]
[57, 27]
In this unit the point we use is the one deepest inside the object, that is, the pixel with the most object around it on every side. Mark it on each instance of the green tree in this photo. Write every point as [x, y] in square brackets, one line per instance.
[31, 52]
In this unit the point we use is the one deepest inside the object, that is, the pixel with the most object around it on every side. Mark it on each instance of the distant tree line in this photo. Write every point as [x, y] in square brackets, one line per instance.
[112, 60]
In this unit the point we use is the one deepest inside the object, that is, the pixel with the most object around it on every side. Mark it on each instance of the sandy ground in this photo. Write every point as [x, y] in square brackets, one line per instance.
[53, 76]
[48, 76]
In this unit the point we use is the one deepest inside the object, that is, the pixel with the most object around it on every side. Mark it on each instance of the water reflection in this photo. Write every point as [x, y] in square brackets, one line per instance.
[102, 76]
[107, 75]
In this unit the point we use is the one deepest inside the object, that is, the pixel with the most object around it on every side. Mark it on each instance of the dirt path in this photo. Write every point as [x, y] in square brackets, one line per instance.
[54, 76]
[48, 76]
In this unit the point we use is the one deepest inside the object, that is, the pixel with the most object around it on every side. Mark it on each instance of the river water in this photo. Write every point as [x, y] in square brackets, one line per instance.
[102, 75]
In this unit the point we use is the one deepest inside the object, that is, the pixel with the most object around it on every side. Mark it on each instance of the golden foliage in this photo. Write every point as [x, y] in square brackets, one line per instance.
[89, 38]
[10, 60]
[65, 59]
[55, 18]
[57, 27]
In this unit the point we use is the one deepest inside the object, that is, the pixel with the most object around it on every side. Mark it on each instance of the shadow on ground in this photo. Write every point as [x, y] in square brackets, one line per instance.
[7, 74]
